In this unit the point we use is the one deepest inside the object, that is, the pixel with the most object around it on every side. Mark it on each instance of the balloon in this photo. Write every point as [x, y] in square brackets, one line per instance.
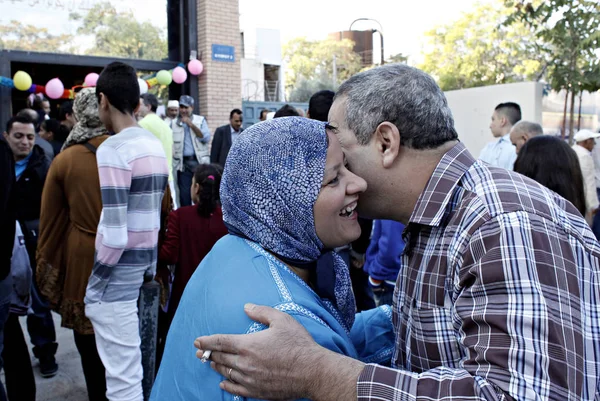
[164, 77]
[179, 75]
[195, 67]
[91, 79]
[22, 81]
[7, 82]
[143, 86]
[55, 88]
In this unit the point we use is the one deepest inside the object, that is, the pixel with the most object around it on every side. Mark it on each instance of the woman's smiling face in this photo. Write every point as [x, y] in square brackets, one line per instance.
[335, 218]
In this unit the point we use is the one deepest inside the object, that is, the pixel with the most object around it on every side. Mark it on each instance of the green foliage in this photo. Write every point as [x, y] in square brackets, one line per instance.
[478, 50]
[569, 28]
[18, 36]
[121, 34]
[310, 65]
[397, 58]
[117, 34]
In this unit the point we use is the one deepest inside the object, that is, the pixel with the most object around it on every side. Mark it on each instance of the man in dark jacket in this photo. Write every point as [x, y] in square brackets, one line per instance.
[225, 136]
[31, 168]
[7, 233]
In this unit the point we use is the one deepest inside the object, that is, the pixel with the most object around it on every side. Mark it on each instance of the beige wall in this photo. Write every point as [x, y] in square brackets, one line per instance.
[220, 83]
[473, 108]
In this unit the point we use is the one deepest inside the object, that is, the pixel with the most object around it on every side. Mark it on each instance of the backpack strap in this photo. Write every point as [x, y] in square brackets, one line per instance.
[90, 147]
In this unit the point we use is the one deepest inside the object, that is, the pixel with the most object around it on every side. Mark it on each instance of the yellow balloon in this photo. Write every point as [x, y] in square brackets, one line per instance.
[22, 80]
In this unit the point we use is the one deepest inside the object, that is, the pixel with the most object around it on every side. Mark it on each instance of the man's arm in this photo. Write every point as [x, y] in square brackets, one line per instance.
[280, 363]
[215, 148]
[521, 338]
[201, 132]
[589, 180]
[115, 182]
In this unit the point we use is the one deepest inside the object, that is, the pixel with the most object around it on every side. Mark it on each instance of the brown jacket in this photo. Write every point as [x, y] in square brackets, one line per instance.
[71, 206]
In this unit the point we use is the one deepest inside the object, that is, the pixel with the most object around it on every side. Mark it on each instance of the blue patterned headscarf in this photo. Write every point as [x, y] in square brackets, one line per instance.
[272, 178]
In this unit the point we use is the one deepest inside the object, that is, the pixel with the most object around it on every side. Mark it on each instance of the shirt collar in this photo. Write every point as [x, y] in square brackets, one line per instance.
[432, 202]
[234, 131]
[505, 138]
[24, 162]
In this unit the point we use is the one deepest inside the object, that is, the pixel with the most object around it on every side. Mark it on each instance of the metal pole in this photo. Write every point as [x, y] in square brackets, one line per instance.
[148, 305]
[382, 57]
[334, 73]
[380, 31]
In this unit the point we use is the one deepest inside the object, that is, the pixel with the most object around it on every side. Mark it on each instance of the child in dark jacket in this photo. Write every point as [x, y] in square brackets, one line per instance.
[193, 230]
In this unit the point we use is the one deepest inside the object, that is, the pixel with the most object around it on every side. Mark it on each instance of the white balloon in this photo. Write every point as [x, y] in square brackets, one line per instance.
[143, 86]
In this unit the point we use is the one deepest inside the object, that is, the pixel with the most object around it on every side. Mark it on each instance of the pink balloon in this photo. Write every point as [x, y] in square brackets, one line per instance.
[91, 79]
[179, 75]
[55, 88]
[195, 67]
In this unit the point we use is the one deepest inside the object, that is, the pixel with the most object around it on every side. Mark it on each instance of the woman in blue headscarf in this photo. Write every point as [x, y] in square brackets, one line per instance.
[287, 200]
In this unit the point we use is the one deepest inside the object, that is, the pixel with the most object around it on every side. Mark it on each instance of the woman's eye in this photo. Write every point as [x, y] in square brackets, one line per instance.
[334, 181]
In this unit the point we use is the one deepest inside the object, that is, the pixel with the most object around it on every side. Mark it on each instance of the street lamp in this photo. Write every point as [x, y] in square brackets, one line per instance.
[380, 32]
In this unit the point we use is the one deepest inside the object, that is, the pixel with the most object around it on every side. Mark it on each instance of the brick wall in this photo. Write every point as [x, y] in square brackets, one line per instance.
[220, 83]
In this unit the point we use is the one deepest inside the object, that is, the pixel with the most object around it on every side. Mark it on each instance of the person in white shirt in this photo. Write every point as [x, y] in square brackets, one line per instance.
[584, 144]
[523, 131]
[501, 152]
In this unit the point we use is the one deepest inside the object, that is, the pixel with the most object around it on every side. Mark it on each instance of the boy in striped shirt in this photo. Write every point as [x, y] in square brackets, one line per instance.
[133, 176]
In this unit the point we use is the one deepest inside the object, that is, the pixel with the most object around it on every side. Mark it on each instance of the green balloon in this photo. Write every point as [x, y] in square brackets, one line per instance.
[164, 77]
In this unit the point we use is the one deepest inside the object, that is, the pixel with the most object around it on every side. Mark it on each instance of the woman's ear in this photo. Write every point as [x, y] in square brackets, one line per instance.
[197, 188]
[387, 139]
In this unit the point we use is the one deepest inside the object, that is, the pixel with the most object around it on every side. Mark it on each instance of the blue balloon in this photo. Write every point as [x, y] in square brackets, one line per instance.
[6, 82]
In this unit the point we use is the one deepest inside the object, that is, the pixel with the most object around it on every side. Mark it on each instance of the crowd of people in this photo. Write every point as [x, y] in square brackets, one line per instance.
[354, 250]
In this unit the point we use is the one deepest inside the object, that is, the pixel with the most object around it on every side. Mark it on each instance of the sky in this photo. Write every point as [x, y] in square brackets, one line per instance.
[403, 21]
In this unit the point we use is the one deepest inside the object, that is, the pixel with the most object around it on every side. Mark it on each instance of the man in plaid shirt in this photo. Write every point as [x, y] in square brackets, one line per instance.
[498, 296]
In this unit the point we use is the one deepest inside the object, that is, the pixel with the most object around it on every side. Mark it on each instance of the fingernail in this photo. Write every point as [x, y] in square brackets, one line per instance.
[249, 306]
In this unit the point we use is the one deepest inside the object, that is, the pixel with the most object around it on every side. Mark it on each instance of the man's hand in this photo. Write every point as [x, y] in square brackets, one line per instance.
[357, 263]
[186, 120]
[280, 363]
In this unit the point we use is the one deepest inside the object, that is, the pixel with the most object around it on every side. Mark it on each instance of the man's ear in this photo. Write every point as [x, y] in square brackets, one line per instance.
[387, 139]
[103, 103]
[5, 134]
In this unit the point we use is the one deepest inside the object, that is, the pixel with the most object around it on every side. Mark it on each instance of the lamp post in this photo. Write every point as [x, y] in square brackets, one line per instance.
[380, 32]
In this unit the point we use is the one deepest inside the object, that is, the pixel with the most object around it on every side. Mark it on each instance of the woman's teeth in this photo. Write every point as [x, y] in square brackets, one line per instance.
[348, 210]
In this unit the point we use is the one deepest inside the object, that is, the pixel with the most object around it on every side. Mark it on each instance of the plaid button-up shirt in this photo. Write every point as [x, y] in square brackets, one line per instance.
[498, 297]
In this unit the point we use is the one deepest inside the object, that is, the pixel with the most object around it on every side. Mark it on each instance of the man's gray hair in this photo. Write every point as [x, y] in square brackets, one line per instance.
[404, 96]
[529, 128]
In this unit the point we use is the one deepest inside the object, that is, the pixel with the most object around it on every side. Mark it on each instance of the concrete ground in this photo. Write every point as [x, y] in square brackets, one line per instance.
[68, 384]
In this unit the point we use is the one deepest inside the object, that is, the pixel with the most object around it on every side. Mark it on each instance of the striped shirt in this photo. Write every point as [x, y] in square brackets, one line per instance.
[133, 176]
[499, 296]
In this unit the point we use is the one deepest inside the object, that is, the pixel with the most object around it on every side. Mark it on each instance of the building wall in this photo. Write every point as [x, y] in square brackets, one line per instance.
[473, 108]
[253, 80]
[219, 84]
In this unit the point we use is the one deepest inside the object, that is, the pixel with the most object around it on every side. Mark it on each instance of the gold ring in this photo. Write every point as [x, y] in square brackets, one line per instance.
[229, 374]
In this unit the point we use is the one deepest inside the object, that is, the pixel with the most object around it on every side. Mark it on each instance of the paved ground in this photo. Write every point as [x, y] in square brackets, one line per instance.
[68, 384]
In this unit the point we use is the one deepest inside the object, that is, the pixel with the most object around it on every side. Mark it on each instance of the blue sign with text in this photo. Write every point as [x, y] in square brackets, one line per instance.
[223, 53]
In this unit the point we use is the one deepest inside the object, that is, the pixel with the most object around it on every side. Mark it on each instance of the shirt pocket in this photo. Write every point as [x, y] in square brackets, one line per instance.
[432, 338]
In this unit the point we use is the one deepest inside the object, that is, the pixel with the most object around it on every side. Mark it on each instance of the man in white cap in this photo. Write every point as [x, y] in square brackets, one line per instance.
[584, 144]
[172, 111]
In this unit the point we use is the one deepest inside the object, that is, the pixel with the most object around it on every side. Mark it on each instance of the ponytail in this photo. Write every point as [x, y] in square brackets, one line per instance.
[209, 178]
